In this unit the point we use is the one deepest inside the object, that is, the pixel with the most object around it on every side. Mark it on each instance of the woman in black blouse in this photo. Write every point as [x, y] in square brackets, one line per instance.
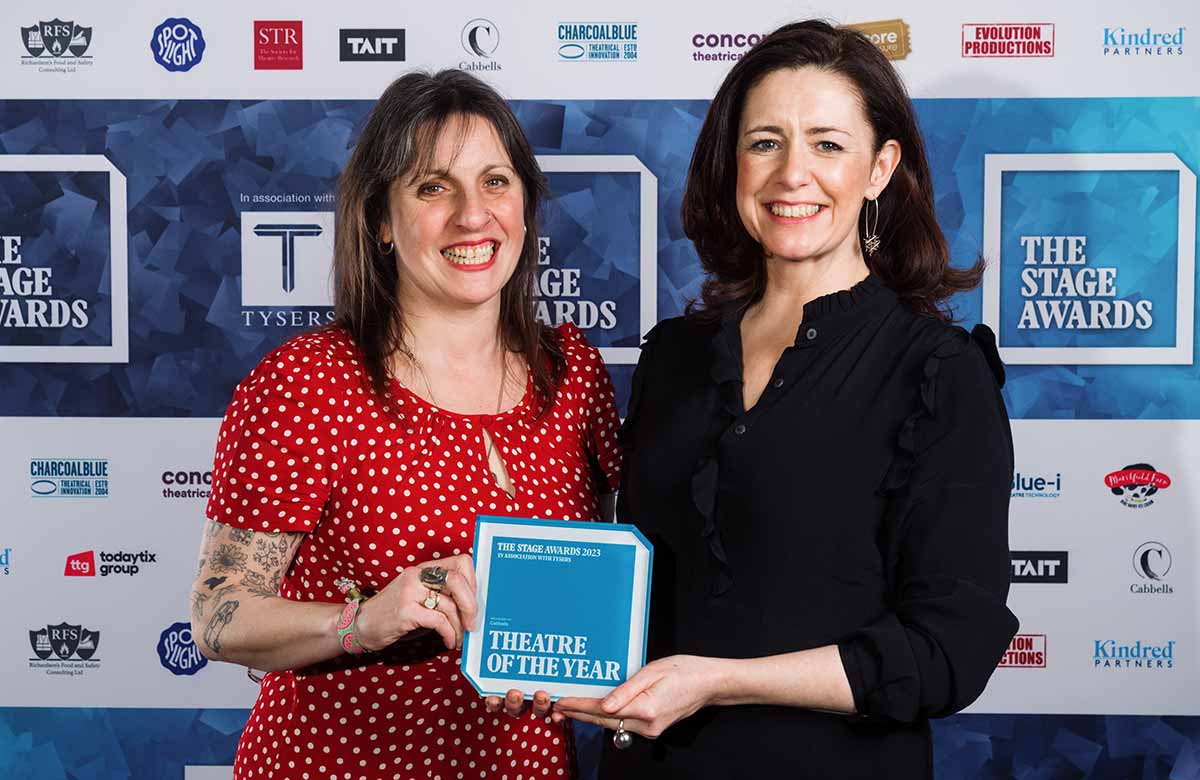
[822, 461]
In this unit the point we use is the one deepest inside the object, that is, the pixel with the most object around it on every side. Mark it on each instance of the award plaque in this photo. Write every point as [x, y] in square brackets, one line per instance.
[562, 606]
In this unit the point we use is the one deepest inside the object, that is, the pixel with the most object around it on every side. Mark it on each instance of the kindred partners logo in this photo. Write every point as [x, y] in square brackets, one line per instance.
[892, 37]
[5, 561]
[1144, 42]
[1025, 651]
[1037, 486]
[480, 39]
[1008, 40]
[177, 44]
[287, 263]
[68, 478]
[1113, 654]
[56, 46]
[111, 562]
[186, 484]
[177, 651]
[597, 41]
[1137, 484]
[722, 47]
[371, 45]
[72, 646]
[278, 45]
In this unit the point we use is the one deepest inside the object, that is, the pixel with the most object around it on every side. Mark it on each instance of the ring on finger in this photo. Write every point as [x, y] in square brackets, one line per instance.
[434, 577]
[431, 601]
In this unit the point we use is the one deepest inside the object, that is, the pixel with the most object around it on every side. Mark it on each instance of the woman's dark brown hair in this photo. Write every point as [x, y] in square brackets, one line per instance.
[913, 259]
[398, 140]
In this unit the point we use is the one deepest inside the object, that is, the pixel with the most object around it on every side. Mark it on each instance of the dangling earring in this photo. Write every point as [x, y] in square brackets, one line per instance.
[871, 238]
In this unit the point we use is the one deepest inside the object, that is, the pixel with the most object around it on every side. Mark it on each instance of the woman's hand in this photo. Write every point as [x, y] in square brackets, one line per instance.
[662, 693]
[397, 611]
[514, 703]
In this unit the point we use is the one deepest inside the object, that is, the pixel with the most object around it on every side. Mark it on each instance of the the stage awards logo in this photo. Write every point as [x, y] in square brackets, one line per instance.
[1137, 484]
[177, 651]
[278, 45]
[177, 44]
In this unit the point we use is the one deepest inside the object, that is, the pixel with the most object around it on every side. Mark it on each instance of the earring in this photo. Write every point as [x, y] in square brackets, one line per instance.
[871, 240]
[390, 246]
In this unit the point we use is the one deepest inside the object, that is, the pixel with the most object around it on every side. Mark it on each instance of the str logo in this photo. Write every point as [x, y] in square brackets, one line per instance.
[287, 258]
[67, 642]
[1039, 566]
[56, 38]
[177, 44]
[480, 39]
[278, 45]
[371, 45]
[1137, 484]
[177, 651]
[1025, 651]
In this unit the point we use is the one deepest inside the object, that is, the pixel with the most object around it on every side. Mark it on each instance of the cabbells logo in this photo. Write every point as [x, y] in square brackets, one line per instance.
[1025, 651]
[1152, 561]
[1144, 42]
[1113, 654]
[177, 651]
[1137, 485]
[111, 562]
[480, 39]
[1037, 486]
[1067, 283]
[64, 649]
[177, 44]
[287, 259]
[68, 478]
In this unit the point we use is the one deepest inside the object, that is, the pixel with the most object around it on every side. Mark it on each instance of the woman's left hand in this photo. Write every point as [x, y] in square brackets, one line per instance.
[662, 693]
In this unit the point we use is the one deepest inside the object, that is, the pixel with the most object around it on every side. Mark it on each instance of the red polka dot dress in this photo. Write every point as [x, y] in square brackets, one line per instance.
[305, 447]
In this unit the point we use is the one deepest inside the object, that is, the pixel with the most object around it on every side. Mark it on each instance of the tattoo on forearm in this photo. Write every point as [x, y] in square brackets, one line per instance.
[227, 558]
[212, 582]
[259, 585]
[241, 535]
[200, 566]
[220, 619]
[198, 600]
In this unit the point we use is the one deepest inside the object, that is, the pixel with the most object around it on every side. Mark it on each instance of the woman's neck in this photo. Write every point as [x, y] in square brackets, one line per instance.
[791, 284]
[442, 337]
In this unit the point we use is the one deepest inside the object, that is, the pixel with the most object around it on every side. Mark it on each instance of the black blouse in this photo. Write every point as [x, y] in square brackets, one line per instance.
[862, 502]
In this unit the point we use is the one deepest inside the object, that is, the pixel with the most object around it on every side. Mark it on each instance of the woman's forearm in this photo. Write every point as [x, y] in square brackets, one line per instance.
[812, 679]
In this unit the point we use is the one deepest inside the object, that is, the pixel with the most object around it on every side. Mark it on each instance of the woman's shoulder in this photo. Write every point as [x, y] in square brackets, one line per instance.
[972, 353]
[326, 357]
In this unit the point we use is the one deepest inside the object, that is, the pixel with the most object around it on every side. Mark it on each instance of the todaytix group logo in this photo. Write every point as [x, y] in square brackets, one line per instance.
[1008, 40]
[371, 45]
[111, 562]
[64, 649]
[1025, 651]
[1137, 485]
[1046, 566]
[1115, 654]
[68, 478]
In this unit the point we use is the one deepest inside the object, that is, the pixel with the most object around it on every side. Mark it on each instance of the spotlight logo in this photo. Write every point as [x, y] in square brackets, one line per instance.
[480, 39]
[177, 651]
[1137, 485]
[177, 44]
[1008, 40]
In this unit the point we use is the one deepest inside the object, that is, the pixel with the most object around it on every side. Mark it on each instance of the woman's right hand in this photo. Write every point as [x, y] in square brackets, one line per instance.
[397, 611]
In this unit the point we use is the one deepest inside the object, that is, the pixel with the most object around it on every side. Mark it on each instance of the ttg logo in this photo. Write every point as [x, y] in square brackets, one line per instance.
[287, 258]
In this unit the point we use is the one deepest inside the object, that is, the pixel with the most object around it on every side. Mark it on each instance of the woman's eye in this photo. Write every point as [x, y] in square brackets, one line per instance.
[764, 145]
[430, 189]
[828, 146]
[496, 181]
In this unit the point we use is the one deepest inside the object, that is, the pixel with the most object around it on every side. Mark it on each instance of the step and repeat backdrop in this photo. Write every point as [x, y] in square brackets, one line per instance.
[166, 218]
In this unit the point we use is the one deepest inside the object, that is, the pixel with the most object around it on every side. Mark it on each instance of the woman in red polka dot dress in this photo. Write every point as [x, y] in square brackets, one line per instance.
[354, 461]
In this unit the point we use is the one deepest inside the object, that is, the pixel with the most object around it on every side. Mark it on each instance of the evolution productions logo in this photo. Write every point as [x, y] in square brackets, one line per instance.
[177, 651]
[1151, 561]
[287, 261]
[1137, 484]
[1112, 654]
[1025, 651]
[116, 562]
[278, 45]
[1144, 42]
[1008, 40]
[371, 45]
[1068, 284]
[73, 648]
[597, 42]
[177, 44]
[56, 46]
[68, 478]
[480, 39]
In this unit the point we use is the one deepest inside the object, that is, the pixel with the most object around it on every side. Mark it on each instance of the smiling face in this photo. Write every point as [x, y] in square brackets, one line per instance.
[459, 226]
[806, 159]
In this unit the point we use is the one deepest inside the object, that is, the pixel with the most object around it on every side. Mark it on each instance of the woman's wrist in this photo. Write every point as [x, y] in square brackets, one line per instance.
[719, 682]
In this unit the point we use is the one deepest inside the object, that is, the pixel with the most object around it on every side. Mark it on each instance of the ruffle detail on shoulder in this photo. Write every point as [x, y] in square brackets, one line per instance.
[898, 473]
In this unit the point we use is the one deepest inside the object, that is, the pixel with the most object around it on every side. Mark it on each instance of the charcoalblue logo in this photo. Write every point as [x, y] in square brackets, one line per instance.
[1143, 42]
[5, 560]
[64, 649]
[287, 260]
[598, 41]
[1068, 284]
[371, 45]
[68, 478]
[1008, 40]
[480, 39]
[722, 47]
[1152, 561]
[1025, 651]
[56, 46]
[177, 651]
[1037, 486]
[1114, 654]
[177, 44]
[1137, 484]
[1039, 566]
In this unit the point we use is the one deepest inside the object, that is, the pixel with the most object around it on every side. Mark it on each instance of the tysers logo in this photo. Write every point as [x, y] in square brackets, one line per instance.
[371, 45]
[68, 478]
[1039, 566]
[1112, 654]
[64, 650]
[177, 44]
[287, 261]
[177, 651]
[1067, 283]
[1025, 651]
[1152, 561]
[81, 565]
[480, 39]
[1137, 484]
[1008, 40]
[1120, 42]
[278, 45]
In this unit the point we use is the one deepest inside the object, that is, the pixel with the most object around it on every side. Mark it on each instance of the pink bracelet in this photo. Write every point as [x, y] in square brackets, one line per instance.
[346, 625]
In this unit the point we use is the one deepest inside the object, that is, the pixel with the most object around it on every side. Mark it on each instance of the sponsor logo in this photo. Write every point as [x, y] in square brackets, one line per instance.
[1060, 294]
[68, 478]
[177, 652]
[287, 261]
[117, 562]
[1146, 42]
[480, 40]
[1111, 654]
[1152, 561]
[1008, 40]
[56, 46]
[1039, 566]
[722, 47]
[371, 45]
[5, 560]
[598, 42]
[28, 294]
[891, 37]
[64, 650]
[177, 44]
[186, 484]
[278, 45]
[1137, 485]
[1025, 651]
[559, 296]
[1041, 486]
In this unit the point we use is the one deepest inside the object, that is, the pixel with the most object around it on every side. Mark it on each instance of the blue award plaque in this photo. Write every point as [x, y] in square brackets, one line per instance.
[562, 606]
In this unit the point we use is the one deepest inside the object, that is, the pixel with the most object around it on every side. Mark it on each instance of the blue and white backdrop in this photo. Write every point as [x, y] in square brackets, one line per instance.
[148, 154]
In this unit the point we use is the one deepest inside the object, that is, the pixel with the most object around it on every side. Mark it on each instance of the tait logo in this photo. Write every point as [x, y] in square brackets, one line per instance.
[371, 45]
[1136, 485]
[81, 565]
[1039, 566]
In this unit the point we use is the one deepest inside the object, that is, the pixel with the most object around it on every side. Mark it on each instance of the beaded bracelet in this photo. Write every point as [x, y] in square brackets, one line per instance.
[346, 625]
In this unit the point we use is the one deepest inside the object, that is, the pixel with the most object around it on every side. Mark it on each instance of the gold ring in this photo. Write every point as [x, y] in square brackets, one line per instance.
[431, 601]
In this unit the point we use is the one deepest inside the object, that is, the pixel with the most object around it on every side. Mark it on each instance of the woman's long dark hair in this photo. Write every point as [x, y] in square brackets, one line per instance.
[913, 259]
[399, 140]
